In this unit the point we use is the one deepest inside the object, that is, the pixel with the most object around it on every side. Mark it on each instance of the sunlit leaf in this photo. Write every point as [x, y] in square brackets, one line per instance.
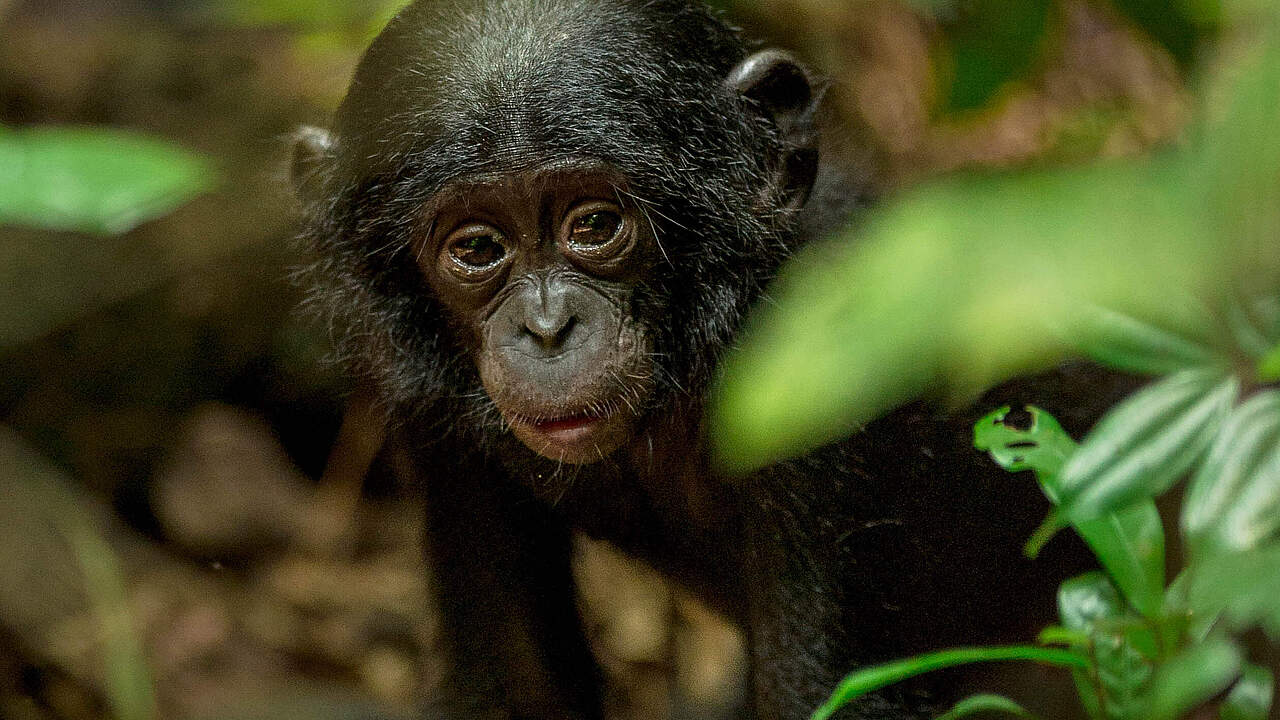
[868, 680]
[1127, 343]
[1146, 443]
[956, 286]
[1255, 325]
[1193, 678]
[1243, 587]
[1128, 543]
[1234, 166]
[93, 180]
[1251, 697]
[985, 703]
[1233, 502]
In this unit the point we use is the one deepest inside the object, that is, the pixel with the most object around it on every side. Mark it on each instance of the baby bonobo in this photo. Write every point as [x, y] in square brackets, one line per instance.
[540, 224]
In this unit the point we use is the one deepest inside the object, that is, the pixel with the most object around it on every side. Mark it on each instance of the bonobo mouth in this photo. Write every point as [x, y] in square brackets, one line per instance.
[567, 428]
[577, 437]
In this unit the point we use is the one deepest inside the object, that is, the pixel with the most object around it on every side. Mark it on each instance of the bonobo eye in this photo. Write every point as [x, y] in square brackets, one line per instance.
[595, 229]
[476, 247]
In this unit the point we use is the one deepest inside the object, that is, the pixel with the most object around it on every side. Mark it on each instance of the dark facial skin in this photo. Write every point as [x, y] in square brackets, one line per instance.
[538, 268]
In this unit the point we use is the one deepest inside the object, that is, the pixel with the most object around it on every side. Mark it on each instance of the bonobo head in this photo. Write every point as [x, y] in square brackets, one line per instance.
[555, 209]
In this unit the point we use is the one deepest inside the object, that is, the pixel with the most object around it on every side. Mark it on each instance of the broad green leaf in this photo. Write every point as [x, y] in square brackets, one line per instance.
[93, 180]
[985, 703]
[1233, 502]
[1255, 324]
[1177, 621]
[867, 680]
[1193, 677]
[955, 285]
[1233, 168]
[1251, 697]
[1128, 543]
[1120, 644]
[1243, 587]
[1146, 443]
[1127, 343]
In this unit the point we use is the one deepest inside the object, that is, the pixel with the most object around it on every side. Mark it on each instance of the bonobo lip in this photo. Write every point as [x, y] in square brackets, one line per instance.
[564, 429]
[569, 426]
[576, 437]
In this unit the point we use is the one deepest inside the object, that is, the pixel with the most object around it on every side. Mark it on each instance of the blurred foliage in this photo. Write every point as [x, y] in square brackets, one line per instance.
[986, 44]
[80, 574]
[1145, 651]
[991, 43]
[93, 180]
[319, 26]
[969, 281]
[1165, 266]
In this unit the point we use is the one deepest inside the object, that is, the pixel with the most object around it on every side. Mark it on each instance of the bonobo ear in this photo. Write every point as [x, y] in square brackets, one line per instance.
[774, 83]
[312, 148]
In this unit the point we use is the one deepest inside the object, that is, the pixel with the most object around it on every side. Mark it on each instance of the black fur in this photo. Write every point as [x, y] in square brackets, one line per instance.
[899, 540]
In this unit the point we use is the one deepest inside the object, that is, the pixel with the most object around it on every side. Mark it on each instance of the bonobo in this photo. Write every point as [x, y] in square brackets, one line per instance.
[540, 224]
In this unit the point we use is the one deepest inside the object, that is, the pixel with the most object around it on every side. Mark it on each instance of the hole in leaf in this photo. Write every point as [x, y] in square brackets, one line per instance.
[1018, 419]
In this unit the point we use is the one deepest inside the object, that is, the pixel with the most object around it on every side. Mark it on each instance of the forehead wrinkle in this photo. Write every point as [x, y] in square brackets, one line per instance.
[460, 188]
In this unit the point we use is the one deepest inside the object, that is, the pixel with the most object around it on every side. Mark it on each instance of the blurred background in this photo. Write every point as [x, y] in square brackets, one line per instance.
[195, 518]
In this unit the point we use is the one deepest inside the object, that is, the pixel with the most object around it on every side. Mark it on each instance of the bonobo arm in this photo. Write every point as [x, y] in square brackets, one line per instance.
[501, 567]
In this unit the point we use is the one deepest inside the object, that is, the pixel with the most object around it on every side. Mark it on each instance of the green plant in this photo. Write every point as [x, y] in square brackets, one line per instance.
[94, 180]
[1137, 648]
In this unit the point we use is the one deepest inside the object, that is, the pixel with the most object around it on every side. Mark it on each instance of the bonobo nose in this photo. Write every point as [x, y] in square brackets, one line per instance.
[549, 317]
[550, 327]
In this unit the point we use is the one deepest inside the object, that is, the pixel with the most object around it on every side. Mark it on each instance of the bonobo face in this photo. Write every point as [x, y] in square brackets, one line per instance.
[562, 210]
[537, 269]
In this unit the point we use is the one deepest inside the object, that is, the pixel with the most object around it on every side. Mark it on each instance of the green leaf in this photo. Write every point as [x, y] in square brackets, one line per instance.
[1242, 587]
[1255, 324]
[1251, 697]
[1127, 343]
[867, 680]
[93, 180]
[1042, 447]
[1193, 677]
[1128, 543]
[985, 703]
[1146, 443]
[1059, 635]
[1233, 502]
[1120, 645]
